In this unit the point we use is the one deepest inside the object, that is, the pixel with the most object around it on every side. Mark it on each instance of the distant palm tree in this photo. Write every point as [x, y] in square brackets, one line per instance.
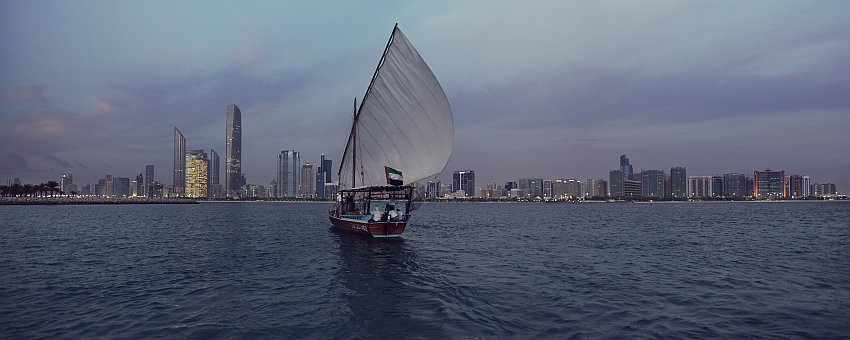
[53, 187]
[28, 189]
[17, 189]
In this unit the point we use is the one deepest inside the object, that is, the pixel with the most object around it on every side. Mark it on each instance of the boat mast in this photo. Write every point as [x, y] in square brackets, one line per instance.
[353, 133]
[354, 147]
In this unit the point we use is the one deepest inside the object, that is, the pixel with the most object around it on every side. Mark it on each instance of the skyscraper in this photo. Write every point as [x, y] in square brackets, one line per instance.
[626, 168]
[699, 186]
[149, 187]
[121, 187]
[652, 183]
[465, 180]
[735, 185]
[233, 152]
[137, 187]
[717, 186]
[214, 186]
[308, 184]
[197, 170]
[615, 179]
[288, 164]
[320, 178]
[66, 183]
[769, 184]
[531, 187]
[433, 190]
[678, 182]
[179, 162]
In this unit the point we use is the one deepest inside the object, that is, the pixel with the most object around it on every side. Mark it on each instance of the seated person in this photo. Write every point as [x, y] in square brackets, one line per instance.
[377, 214]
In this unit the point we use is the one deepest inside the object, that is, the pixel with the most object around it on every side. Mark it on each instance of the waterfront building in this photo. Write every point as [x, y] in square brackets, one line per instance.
[573, 188]
[626, 168]
[433, 190]
[179, 162]
[547, 189]
[796, 187]
[807, 186]
[769, 185]
[149, 180]
[615, 179]
[137, 186]
[308, 184]
[601, 188]
[323, 176]
[678, 182]
[824, 190]
[699, 187]
[632, 188]
[717, 186]
[510, 185]
[86, 190]
[108, 186]
[233, 177]
[652, 183]
[66, 183]
[213, 188]
[735, 185]
[272, 192]
[197, 170]
[121, 187]
[559, 189]
[288, 179]
[531, 187]
[464, 180]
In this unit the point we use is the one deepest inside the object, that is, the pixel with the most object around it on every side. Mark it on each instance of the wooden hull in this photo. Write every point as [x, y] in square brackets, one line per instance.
[370, 228]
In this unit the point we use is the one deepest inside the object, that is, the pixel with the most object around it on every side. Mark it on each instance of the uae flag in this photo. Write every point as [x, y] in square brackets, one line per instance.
[394, 176]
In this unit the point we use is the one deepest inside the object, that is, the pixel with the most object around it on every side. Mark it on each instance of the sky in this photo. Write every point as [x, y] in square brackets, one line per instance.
[549, 89]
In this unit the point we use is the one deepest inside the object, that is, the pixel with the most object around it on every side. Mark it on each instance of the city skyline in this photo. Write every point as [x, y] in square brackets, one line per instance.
[537, 89]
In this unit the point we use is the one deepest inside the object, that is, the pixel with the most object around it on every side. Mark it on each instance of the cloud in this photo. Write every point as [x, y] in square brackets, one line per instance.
[13, 163]
[57, 161]
[27, 93]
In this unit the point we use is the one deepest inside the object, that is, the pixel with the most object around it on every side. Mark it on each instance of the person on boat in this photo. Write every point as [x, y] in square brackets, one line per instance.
[392, 213]
[377, 214]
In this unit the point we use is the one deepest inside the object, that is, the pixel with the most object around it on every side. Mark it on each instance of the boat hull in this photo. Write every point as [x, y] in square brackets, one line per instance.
[369, 228]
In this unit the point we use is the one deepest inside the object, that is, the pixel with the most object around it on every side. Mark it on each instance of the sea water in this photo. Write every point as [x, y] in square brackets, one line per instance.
[460, 270]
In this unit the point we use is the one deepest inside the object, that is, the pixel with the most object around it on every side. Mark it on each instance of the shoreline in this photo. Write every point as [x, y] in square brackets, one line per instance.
[90, 201]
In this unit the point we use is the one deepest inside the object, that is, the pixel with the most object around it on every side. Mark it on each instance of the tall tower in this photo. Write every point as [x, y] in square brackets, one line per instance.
[308, 186]
[149, 189]
[626, 167]
[233, 152]
[288, 180]
[179, 162]
[679, 182]
[196, 174]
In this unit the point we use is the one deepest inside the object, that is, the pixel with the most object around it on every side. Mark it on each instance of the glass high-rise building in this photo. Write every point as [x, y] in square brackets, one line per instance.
[308, 184]
[769, 184]
[149, 180]
[652, 183]
[678, 182]
[233, 152]
[615, 179]
[179, 163]
[465, 180]
[288, 180]
[735, 185]
[626, 167]
[699, 186]
[197, 170]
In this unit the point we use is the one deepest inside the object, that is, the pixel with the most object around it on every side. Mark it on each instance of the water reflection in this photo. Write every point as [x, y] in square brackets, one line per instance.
[385, 297]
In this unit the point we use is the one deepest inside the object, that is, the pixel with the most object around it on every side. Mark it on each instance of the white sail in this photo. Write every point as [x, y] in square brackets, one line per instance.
[404, 122]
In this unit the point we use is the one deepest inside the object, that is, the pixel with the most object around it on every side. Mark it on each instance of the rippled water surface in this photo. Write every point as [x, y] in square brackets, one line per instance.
[277, 270]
